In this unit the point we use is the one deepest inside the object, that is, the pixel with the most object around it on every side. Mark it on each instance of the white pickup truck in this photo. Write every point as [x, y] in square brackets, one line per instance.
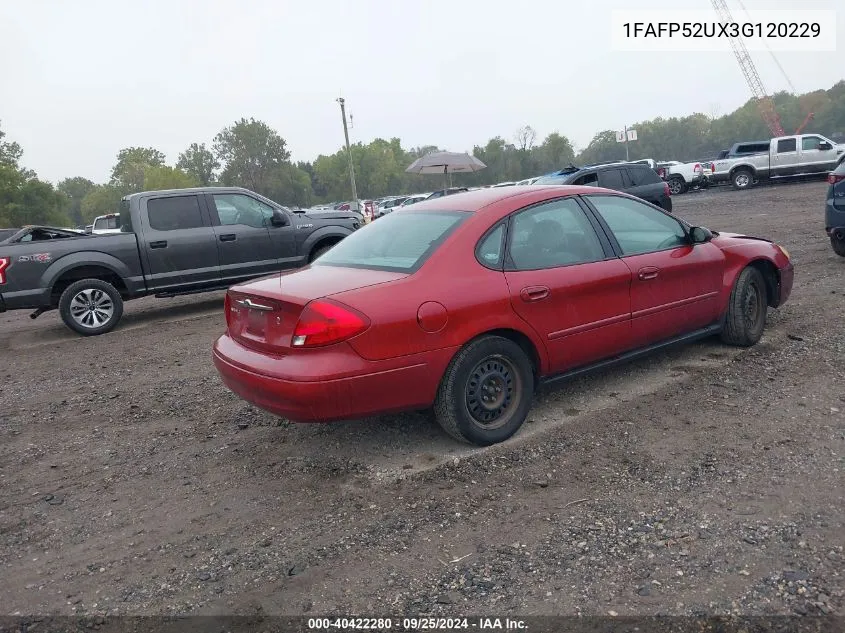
[787, 156]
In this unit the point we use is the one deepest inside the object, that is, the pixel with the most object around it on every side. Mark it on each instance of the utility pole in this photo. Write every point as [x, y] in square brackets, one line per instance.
[342, 103]
[626, 143]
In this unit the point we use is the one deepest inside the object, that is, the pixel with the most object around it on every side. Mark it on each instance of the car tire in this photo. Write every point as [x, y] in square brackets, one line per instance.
[489, 367]
[319, 252]
[742, 179]
[747, 309]
[677, 186]
[91, 306]
[838, 245]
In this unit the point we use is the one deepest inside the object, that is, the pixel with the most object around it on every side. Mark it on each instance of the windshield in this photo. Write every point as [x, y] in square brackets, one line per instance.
[553, 180]
[399, 242]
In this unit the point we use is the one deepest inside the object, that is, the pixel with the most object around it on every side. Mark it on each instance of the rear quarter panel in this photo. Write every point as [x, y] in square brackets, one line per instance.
[475, 299]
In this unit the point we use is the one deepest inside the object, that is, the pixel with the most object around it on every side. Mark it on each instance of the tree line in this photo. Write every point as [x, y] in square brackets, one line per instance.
[249, 153]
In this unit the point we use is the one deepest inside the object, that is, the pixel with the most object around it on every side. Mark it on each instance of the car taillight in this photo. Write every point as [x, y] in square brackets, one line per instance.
[831, 178]
[227, 309]
[666, 189]
[697, 167]
[4, 264]
[325, 322]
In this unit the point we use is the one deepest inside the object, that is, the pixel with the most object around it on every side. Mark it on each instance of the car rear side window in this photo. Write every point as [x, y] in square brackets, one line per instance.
[643, 176]
[400, 242]
[553, 234]
[174, 213]
[612, 179]
[787, 145]
[588, 180]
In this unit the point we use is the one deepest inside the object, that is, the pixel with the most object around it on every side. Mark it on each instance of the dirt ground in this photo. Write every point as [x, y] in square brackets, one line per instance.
[706, 480]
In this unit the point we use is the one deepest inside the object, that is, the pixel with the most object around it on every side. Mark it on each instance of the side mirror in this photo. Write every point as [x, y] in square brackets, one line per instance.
[700, 235]
[280, 218]
[825, 146]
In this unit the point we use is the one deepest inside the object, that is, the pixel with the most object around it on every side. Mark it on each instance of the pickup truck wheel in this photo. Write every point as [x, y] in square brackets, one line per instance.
[747, 309]
[677, 185]
[742, 179]
[838, 245]
[91, 306]
[486, 392]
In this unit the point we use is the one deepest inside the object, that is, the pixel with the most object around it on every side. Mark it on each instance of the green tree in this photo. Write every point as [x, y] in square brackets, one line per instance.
[128, 172]
[164, 177]
[251, 153]
[199, 162]
[75, 189]
[102, 199]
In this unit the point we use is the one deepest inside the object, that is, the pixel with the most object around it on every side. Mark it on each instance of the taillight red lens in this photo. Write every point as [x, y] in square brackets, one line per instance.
[4, 264]
[325, 322]
[227, 310]
[666, 189]
[831, 178]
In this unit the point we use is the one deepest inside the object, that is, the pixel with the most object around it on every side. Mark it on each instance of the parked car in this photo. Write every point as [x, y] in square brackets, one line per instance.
[106, 224]
[684, 176]
[786, 157]
[386, 206]
[553, 282]
[417, 197]
[171, 242]
[446, 192]
[834, 215]
[638, 180]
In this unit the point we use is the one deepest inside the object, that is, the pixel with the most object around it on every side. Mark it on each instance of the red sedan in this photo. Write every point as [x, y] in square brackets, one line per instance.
[466, 303]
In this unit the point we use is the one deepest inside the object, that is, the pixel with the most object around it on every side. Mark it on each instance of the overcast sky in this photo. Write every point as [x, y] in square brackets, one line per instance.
[80, 80]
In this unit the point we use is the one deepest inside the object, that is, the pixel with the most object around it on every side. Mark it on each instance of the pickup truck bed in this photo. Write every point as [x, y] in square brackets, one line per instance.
[171, 242]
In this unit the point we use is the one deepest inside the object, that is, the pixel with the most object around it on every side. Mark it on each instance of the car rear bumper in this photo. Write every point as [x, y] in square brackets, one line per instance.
[355, 388]
[25, 299]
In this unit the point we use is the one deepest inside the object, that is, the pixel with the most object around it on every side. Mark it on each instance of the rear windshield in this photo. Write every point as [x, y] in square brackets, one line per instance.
[399, 242]
[112, 222]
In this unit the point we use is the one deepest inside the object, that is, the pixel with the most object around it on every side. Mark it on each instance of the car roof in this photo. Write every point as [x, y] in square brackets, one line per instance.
[478, 199]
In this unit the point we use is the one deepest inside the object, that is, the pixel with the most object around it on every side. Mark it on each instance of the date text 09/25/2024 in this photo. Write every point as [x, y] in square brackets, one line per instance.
[416, 624]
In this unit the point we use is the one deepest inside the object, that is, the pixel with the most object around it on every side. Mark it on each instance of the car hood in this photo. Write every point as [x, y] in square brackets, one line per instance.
[724, 240]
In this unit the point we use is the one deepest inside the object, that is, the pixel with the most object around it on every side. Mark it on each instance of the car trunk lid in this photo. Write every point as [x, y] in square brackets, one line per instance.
[263, 314]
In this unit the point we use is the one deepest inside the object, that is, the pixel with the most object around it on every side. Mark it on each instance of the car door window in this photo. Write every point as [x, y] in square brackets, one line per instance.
[809, 143]
[235, 208]
[174, 213]
[786, 145]
[556, 233]
[611, 179]
[588, 180]
[638, 227]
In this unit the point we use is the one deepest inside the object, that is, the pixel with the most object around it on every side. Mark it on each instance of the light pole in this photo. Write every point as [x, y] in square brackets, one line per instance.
[342, 103]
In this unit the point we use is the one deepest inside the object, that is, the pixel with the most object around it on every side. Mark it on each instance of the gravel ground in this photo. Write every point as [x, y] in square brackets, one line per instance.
[705, 480]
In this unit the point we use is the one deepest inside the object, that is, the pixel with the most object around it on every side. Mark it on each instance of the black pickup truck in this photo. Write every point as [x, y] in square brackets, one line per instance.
[180, 241]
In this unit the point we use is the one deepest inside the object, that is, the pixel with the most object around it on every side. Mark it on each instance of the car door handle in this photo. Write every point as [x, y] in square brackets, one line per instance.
[649, 272]
[228, 237]
[534, 293]
[161, 244]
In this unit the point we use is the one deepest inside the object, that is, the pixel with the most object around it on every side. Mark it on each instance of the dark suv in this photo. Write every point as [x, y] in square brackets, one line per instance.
[636, 179]
[834, 217]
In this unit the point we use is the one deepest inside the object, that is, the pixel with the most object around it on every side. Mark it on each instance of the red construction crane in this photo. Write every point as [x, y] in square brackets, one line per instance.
[764, 102]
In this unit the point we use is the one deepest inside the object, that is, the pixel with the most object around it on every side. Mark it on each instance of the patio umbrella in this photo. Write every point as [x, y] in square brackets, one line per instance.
[445, 163]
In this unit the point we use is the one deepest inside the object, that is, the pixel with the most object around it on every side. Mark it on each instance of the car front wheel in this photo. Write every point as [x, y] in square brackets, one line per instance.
[838, 245]
[486, 392]
[747, 309]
